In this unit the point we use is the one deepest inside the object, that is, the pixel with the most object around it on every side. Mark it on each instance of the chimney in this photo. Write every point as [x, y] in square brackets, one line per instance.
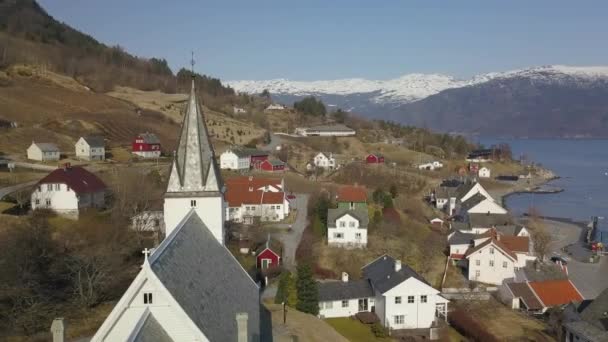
[241, 326]
[345, 277]
[397, 265]
[58, 330]
[250, 178]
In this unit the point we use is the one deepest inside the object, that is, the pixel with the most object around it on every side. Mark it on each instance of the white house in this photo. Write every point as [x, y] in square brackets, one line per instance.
[466, 191]
[495, 257]
[248, 197]
[68, 190]
[90, 148]
[238, 110]
[434, 165]
[445, 199]
[275, 106]
[400, 297]
[43, 152]
[347, 227]
[336, 130]
[479, 204]
[190, 288]
[484, 172]
[324, 160]
[240, 158]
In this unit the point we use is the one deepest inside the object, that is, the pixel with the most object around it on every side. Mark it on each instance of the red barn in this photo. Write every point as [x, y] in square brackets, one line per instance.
[272, 165]
[374, 158]
[257, 158]
[267, 257]
[146, 145]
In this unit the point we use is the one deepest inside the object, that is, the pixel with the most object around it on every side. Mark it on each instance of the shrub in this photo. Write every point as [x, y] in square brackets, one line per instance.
[379, 330]
[308, 294]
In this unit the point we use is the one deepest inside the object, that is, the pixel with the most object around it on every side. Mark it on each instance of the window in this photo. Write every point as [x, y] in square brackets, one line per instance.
[399, 319]
[338, 235]
[68, 188]
[147, 298]
[329, 305]
[351, 224]
[272, 207]
[478, 262]
[477, 273]
[398, 300]
[491, 263]
[342, 224]
[352, 205]
[423, 299]
[193, 203]
[48, 202]
[491, 250]
[57, 187]
[344, 303]
[504, 264]
[37, 201]
[358, 236]
[49, 187]
[410, 299]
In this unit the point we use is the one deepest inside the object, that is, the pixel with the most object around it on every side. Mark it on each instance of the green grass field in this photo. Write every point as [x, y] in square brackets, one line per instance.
[354, 330]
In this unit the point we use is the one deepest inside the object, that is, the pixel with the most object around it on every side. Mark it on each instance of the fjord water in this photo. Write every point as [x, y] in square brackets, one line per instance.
[583, 168]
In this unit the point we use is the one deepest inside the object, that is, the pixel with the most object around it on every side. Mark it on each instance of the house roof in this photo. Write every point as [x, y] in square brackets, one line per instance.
[360, 214]
[94, 141]
[523, 291]
[589, 331]
[556, 292]
[237, 196]
[494, 242]
[47, 147]
[247, 152]
[509, 229]
[459, 238]
[472, 201]
[377, 155]
[274, 162]
[519, 244]
[206, 280]
[352, 194]
[382, 275]
[338, 290]
[152, 331]
[445, 192]
[272, 245]
[464, 189]
[244, 182]
[77, 178]
[488, 220]
[596, 313]
[541, 271]
[149, 138]
[331, 128]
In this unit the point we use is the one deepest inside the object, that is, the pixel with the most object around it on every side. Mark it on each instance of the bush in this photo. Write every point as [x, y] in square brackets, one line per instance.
[379, 330]
[464, 323]
[308, 294]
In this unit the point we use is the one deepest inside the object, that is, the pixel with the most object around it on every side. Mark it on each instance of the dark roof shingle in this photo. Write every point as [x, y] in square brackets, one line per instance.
[381, 273]
[338, 290]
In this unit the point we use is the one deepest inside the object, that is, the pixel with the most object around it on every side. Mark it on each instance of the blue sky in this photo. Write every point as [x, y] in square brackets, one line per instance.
[328, 39]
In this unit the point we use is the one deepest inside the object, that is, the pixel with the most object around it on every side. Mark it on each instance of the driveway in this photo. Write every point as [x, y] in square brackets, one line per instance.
[589, 278]
[291, 239]
[10, 189]
[275, 141]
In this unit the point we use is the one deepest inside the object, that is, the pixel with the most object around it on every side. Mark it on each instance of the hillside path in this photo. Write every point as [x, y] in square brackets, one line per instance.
[291, 239]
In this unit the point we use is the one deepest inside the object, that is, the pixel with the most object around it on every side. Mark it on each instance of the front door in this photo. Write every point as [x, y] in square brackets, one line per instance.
[265, 263]
[363, 304]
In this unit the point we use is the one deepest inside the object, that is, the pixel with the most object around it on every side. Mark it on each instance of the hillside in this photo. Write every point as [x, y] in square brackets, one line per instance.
[546, 101]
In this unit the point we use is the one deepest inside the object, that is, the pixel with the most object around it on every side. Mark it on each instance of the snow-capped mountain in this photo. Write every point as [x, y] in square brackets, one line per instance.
[547, 101]
[410, 87]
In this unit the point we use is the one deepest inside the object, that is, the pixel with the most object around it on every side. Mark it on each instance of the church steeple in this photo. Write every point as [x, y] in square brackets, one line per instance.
[194, 168]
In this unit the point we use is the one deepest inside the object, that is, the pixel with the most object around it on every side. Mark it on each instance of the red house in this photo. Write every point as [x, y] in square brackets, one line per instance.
[257, 158]
[374, 158]
[146, 145]
[272, 165]
[267, 257]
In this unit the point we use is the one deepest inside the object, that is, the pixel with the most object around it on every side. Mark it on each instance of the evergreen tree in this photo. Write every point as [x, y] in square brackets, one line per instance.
[308, 294]
[310, 106]
[281, 295]
[393, 190]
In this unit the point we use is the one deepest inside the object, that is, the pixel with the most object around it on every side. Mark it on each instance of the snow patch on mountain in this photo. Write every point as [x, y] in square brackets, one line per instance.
[413, 87]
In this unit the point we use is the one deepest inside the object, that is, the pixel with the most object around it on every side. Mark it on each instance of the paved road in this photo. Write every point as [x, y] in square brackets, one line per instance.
[291, 239]
[10, 189]
[589, 278]
[275, 141]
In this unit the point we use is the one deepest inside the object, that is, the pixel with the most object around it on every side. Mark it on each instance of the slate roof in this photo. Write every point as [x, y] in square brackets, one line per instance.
[248, 152]
[94, 141]
[339, 290]
[275, 162]
[596, 313]
[360, 214]
[545, 271]
[445, 192]
[149, 138]
[464, 189]
[472, 201]
[459, 238]
[589, 318]
[488, 220]
[509, 229]
[152, 331]
[47, 147]
[77, 178]
[525, 293]
[381, 273]
[206, 280]
[589, 331]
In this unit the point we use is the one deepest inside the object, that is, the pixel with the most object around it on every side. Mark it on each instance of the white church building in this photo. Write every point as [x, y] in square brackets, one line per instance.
[190, 288]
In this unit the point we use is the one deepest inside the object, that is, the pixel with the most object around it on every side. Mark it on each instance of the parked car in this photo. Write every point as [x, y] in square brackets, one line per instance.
[559, 259]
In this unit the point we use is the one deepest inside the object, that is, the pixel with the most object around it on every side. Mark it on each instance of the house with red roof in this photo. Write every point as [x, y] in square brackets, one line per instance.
[272, 165]
[352, 197]
[251, 197]
[374, 158]
[268, 255]
[146, 145]
[67, 190]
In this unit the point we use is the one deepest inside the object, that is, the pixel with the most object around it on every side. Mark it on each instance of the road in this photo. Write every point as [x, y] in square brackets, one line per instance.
[10, 189]
[589, 278]
[291, 239]
[275, 141]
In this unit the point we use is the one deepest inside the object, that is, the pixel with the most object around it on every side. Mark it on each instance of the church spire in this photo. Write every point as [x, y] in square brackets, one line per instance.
[194, 168]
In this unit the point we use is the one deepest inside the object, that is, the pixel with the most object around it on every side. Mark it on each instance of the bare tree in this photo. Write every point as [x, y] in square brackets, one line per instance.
[541, 238]
[134, 192]
[88, 274]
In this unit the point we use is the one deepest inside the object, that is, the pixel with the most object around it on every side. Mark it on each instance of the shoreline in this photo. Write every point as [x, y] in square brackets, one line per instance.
[527, 186]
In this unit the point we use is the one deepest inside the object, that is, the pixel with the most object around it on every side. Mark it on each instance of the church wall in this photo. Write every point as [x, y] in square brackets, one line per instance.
[210, 209]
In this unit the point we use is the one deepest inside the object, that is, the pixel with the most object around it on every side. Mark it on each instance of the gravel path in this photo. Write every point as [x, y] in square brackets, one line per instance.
[291, 239]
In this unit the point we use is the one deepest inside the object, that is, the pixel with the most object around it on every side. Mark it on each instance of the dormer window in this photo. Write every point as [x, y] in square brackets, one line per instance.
[352, 205]
[148, 298]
